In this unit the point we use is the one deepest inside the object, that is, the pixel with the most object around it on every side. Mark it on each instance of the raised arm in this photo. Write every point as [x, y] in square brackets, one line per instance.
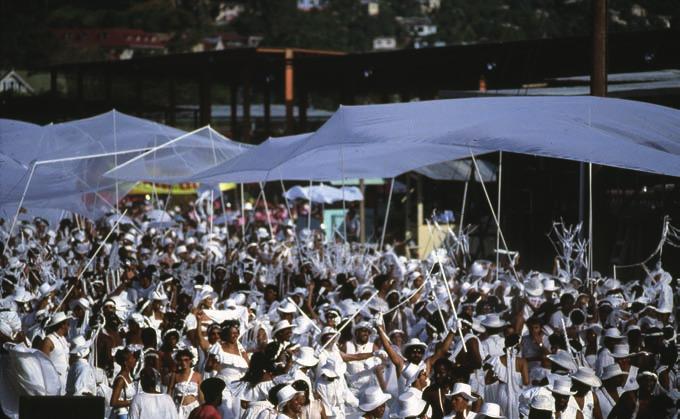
[396, 359]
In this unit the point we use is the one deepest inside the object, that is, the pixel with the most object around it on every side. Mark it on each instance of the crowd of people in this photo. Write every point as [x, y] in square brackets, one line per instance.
[195, 321]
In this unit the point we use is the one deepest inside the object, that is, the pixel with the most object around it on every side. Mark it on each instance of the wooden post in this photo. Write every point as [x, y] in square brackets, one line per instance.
[205, 100]
[288, 93]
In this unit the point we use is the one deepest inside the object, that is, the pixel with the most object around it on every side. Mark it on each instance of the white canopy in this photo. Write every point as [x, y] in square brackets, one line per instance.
[324, 194]
[386, 140]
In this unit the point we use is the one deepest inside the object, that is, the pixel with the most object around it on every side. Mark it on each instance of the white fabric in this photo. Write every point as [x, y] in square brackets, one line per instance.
[324, 194]
[152, 406]
[81, 379]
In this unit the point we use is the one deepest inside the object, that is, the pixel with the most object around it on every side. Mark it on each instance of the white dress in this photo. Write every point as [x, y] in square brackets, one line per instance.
[572, 407]
[81, 379]
[510, 387]
[59, 357]
[232, 368]
[605, 400]
[181, 390]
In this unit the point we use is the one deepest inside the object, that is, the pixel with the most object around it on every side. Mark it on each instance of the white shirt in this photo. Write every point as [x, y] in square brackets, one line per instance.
[152, 406]
[81, 379]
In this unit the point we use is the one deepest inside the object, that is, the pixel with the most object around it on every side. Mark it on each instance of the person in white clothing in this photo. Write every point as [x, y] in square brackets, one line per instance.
[81, 379]
[150, 403]
[55, 345]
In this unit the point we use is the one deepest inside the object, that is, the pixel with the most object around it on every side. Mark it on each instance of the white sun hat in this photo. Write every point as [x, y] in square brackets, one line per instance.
[490, 410]
[586, 376]
[286, 394]
[611, 371]
[372, 398]
[562, 386]
[305, 357]
[462, 389]
[410, 405]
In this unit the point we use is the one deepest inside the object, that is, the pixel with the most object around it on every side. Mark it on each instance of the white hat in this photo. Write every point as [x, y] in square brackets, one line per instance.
[550, 285]
[562, 386]
[159, 295]
[45, 288]
[410, 405]
[563, 359]
[330, 369]
[80, 346]
[281, 325]
[262, 233]
[477, 325]
[611, 371]
[248, 206]
[586, 376]
[21, 295]
[181, 249]
[286, 307]
[490, 410]
[534, 288]
[543, 402]
[414, 342]
[372, 398]
[411, 372]
[493, 321]
[613, 333]
[286, 394]
[479, 268]
[57, 318]
[621, 350]
[462, 389]
[305, 357]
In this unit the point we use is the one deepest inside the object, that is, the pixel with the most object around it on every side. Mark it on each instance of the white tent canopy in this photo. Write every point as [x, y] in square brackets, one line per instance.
[61, 165]
[386, 140]
[179, 159]
[324, 194]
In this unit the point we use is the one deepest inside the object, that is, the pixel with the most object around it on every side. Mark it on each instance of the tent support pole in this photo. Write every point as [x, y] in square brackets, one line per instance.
[493, 212]
[590, 220]
[309, 212]
[387, 215]
[362, 212]
[243, 214]
[498, 212]
[266, 211]
[21, 202]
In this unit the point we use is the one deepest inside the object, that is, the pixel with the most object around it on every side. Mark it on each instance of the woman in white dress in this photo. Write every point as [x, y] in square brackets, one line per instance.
[254, 387]
[124, 388]
[184, 385]
[230, 360]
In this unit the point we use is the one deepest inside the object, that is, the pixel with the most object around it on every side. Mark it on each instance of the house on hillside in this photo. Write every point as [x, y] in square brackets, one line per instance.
[13, 83]
[227, 40]
[382, 43]
[117, 43]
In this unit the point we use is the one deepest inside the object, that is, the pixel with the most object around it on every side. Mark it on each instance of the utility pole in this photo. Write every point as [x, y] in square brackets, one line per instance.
[598, 81]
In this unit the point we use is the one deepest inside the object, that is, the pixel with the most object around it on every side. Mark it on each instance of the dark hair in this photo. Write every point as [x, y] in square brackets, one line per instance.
[149, 338]
[271, 395]
[148, 378]
[260, 363]
[379, 281]
[225, 326]
[122, 355]
[212, 389]
[301, 385]
[184, 352]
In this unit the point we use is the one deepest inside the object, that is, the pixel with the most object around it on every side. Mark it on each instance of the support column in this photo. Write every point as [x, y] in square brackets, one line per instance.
[233, 108]
[288, 92]
[205, 100]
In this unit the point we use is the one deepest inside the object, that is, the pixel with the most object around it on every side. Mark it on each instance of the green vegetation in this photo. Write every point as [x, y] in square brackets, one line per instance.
[341, 25]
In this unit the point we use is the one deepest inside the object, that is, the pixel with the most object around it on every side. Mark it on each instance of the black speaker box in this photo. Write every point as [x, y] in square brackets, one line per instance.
[61, 407]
